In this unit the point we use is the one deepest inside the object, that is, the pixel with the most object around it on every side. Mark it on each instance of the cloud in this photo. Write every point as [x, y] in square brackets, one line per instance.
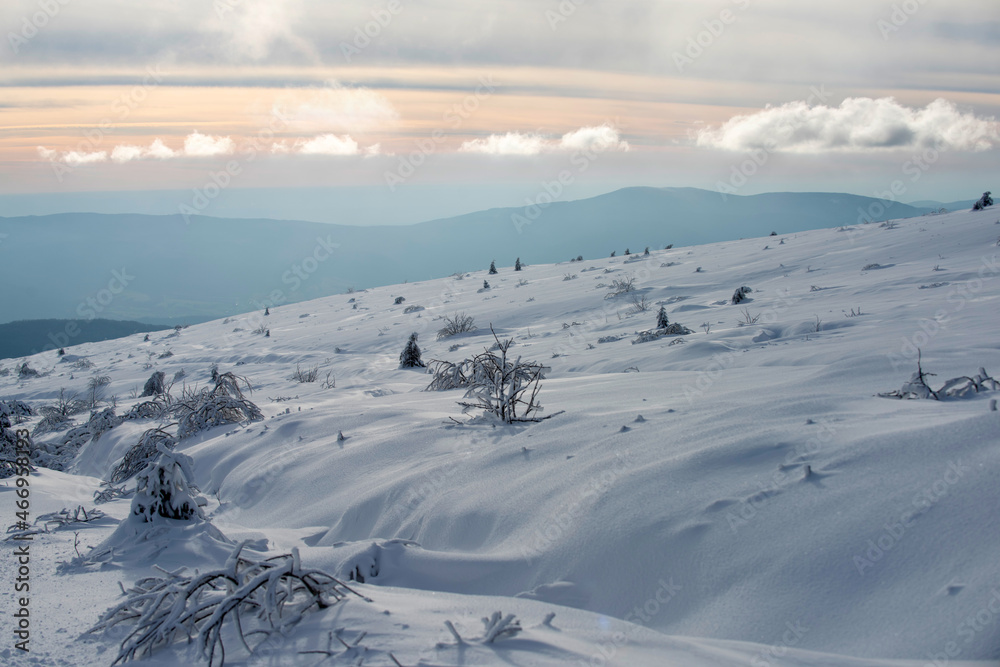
[511, 143]
[598, 138]
[157, 150]
[327, 144]
[195, 145]
[859, 124]
[203, 145]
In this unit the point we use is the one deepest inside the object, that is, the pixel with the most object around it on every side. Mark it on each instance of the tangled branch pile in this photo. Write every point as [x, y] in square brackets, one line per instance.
[247, 599]
[222, 404]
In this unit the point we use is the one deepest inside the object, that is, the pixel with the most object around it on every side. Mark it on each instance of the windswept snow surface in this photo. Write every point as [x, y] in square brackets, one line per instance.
[734, 497]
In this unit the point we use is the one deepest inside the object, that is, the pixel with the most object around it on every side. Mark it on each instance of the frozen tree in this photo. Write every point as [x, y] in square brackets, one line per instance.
[410, 356]
[517, 264]
[984, 201]
[164, 488]
[486, 284]
[504, 388]
[740, 294]
[154, 385]
[222, 404]
[662, 322]
[493, 268]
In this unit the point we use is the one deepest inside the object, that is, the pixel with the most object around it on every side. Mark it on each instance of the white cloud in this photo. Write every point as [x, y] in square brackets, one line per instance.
[203, 145]
[857, 125]
[511, 143]
[75, 158]
[195, 145]
[327, 144]
[157, 150]
[598, 138]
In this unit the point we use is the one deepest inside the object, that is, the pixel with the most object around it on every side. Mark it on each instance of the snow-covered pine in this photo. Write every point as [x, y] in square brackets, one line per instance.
[740, 294]
[164, 488]
[662, 321]
[154, 385]
[410, 356]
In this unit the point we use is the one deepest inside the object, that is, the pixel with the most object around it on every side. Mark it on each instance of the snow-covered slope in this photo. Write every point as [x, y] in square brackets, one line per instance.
[742, 486]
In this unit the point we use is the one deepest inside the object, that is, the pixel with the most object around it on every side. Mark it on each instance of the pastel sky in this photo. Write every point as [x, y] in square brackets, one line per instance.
[753, 95]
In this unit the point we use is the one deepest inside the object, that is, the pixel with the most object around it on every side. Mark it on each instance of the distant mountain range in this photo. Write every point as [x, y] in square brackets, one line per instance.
[24, 337]
[172, 268]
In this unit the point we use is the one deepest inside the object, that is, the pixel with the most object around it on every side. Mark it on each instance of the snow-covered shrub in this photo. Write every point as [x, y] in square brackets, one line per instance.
[245, 603]
[965, 386]
[222, 404]
[24, 371]
[399, 300]
[871, 267]
[608, 339]
[621, 286]
[412, 309]
[456, 324]
[95, 390]
[154, 385]
[157, 408]
[983, 202]
[740, 294]
[961, 387]
[142, 454]
[410, 356]
[517, 265]
[450, 376]
[640, 304]
[57, 415]
[8, 448]
[673, 329]
[503, 388]
[305, 376]
[164, 488]
[17, 411]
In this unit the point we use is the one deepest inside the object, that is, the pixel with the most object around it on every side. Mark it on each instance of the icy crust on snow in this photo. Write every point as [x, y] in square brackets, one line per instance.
[784, 505]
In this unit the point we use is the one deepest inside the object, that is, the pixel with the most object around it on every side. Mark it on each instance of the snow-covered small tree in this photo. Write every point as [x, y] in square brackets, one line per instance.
[646, 252]
[486, 284]
[223, 404]
[984, 201]
[662, 322]
[613, 253]
[164, 489]
[493, 268]
[154, 385]
[740, 294]
[504, 388]
[627, 252]
[410, 356]
[517, 264]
